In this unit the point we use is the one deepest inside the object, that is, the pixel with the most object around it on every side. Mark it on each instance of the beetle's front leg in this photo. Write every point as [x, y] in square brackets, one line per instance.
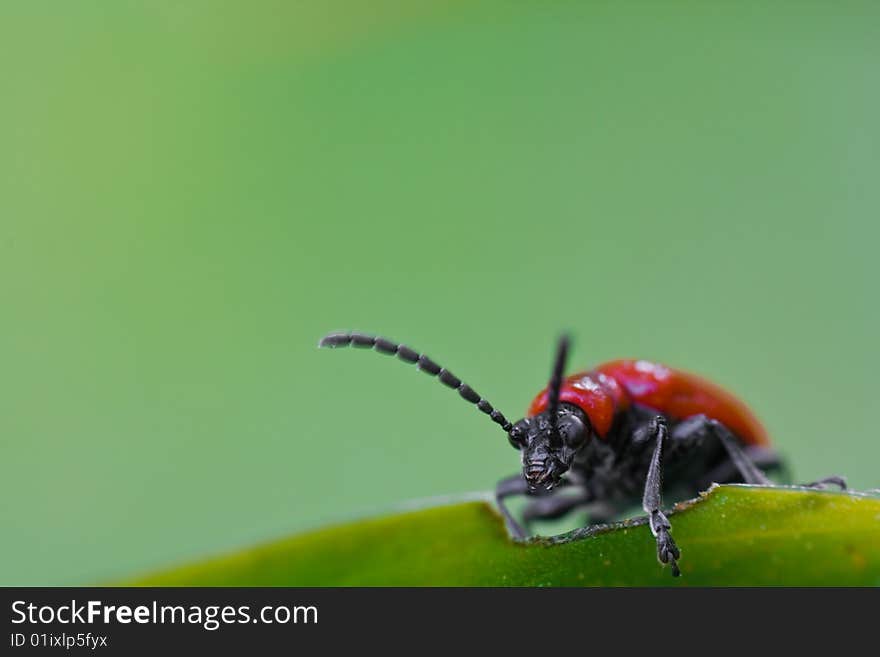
[517, 485]
[667, 550]
[553, 507]
[508, 487]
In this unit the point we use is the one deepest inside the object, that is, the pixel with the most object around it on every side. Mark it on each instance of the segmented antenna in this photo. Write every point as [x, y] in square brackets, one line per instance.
[425, 364]
[555, 386]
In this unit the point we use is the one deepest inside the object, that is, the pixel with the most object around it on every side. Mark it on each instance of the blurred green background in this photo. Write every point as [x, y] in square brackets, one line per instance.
[192, 193]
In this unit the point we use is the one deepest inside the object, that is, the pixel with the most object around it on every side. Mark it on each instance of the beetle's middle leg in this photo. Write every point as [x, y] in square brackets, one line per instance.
[700, 427]
[743, 460]
[764, 458]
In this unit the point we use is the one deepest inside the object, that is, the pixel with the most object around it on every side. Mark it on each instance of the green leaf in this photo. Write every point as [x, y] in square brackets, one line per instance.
[732, 535]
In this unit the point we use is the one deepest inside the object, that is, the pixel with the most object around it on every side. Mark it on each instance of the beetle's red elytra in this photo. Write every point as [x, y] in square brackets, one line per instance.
[607, 390]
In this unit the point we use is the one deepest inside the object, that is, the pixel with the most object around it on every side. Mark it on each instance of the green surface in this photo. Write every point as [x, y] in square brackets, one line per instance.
[735, 536]
[191, 194]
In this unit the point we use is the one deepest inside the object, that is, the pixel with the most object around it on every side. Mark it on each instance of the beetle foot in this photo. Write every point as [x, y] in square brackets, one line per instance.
[667, 550]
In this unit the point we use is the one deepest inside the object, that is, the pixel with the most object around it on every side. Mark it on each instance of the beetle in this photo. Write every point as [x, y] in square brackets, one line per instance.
[623, 432]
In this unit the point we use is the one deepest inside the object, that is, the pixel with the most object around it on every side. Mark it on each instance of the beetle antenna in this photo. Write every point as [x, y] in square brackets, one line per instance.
[555, 386]
[425, 364]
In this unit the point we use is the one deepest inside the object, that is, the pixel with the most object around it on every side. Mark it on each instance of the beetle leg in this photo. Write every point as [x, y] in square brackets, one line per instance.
[750, 472]
[554, 507]
[700, 426]
[763, 457]
[602, 513]
[517, 485]
[508, 487]
[667, 550]
[822, 483]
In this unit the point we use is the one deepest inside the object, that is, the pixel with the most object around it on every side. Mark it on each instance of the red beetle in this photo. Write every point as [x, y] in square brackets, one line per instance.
[609, 434]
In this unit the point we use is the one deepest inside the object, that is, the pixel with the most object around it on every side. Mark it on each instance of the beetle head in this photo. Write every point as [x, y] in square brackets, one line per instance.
[549, 440]
[548, 450]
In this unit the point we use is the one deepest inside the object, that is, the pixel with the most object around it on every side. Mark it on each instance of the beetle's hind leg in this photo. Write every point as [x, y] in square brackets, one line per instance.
[834, 480]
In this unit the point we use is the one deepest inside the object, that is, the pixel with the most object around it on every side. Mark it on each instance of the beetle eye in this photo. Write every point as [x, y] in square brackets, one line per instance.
[572, 430]
[517, 436]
